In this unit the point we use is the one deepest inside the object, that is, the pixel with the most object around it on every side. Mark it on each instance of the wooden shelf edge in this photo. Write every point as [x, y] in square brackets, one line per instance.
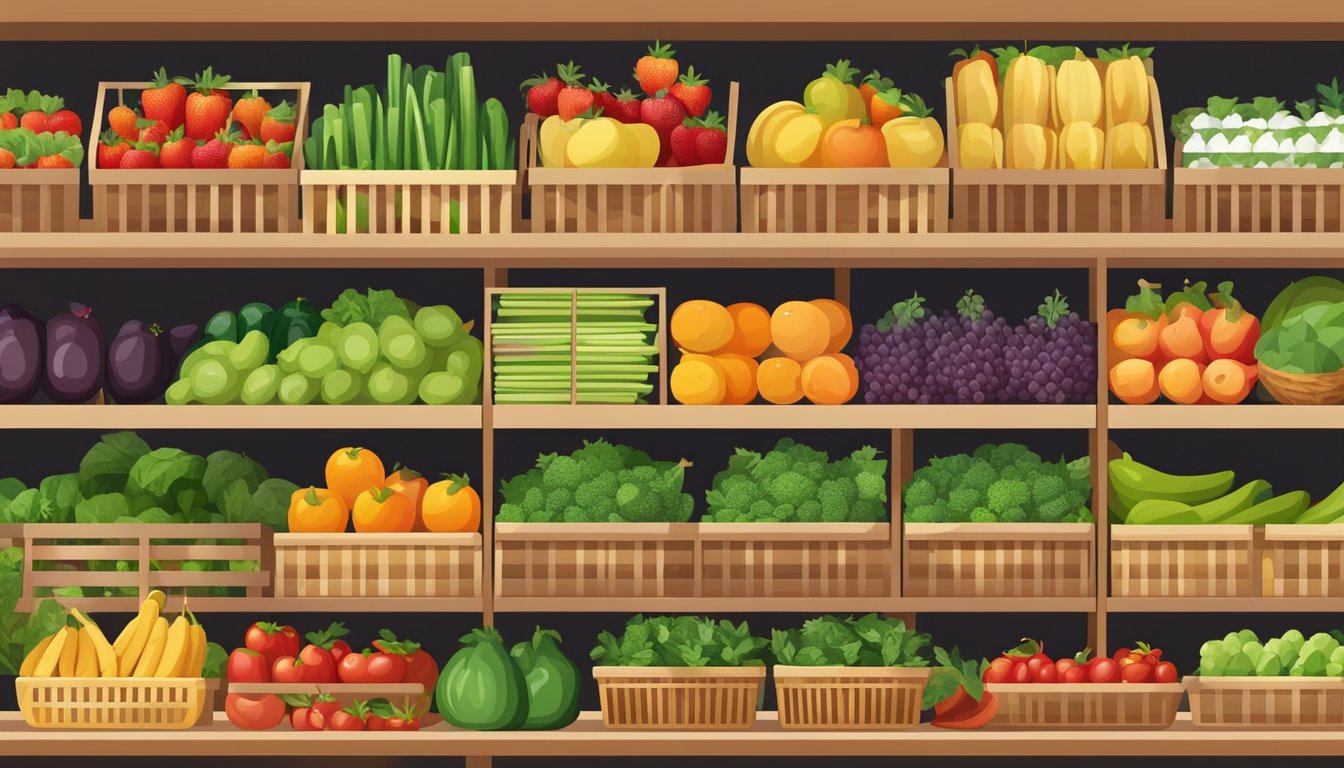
[1225, 604]
[1265, 416]
[240, 417]
[851, 416]
[765, 604]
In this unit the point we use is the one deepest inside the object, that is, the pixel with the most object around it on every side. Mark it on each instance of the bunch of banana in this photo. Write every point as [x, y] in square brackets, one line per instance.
[149, 646]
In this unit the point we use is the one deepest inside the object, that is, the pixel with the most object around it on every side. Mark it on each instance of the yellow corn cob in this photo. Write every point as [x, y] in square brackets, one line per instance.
[1026, 93]
[1078, 93]
[1126, 92]
[976, 92]
[1082, 146]
[979, 146]
[1129, 145]
[1030, 147]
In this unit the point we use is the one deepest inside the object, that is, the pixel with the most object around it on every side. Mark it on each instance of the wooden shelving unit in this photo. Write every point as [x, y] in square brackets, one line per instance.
[240, 417]
[1225, 417]
[851, 416]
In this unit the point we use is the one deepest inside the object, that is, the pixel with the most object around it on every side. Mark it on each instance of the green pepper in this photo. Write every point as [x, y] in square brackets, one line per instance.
[223, 326]
[256, 316]
[295, 320]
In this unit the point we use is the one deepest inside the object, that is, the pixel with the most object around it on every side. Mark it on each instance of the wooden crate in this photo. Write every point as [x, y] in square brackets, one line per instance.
[1303, 561]
[40, 200]
[190, 200]
[701, 198]
[595, 559]
[344, 565]
[679, 698]
[999, 559]
[1086, 705]
[849, 698]
[859, 200]
[1184, 560]
[1266, 702]
[158, 550]
[106, 703]
[1256, 199]
[1060, 200]
[410, 202]
[795, 560]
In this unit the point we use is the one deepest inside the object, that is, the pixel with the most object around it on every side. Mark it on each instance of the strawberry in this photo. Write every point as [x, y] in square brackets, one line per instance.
[683, 142]
[692, 91]
[573, 100]
[138, 157]
[277, 125]
[657, 71]
[7, 159]
[34, 121]
[165, 100]
[176, 150]
[123, 119]
[277, 154]
[624, 107]
[54, 161]
[542, 91]
[111, 148]
[207, 110]
[664, 113]
[874, 83]
[885, 106]
[250, 110]
[711, 140]
[64, 120]
[247, 156]
[602, 98]
[8, 121]
[213, 153]
[151, 132]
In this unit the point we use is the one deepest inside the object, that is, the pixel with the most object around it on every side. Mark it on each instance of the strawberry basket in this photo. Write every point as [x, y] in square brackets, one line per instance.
[40, 153]
[155, 199]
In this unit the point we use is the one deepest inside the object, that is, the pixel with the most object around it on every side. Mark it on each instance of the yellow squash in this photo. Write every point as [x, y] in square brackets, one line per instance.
[1126, 92]
[1030, 147]
[646, 142]
[975, 89]
[979, 146]
[1129, 145]
[1078, 93]
[1026, 93]
[1082, 146]
[757, 155]
[914, 140]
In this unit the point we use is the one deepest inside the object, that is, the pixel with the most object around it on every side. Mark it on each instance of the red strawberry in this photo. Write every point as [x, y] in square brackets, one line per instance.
[123, 119]
[139, 157]
[693, 92]
[176, 150]
[8, 121]
[657, 71]
[250, 110]
[624, 107]
[542, 91]
[573, 100]
[711, 140]
[213, 153]
[152, 132]
[602, 98]
[165, 100]
[683, 142]
[277, 154]
[278, 124]
[54, 161]
[7, 159]
[664, 113]
[34, 121]
[111, 147]
[64, 120]
[207, 110]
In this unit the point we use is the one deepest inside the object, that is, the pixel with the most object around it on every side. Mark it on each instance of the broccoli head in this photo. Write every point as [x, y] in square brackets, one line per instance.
[918, 493]
[837, 496]
[761, 509]
[871, 486]
[1013, 515]
[980, 475]
[510, 513]
[1046, 487]
[920, 514]
[562, 472]
[1007, 494]
[983, 515]
[792, 488]
[1009, 454]
[962, 500]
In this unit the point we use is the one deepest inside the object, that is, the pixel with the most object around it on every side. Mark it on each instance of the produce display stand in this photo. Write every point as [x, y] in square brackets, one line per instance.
[43, 200]
[344, 566]
[1256, 199]
[1273, 702]
[863, 200]
[410, 202]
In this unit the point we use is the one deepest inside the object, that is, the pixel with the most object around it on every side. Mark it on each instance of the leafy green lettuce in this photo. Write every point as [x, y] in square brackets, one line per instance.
[680, 641]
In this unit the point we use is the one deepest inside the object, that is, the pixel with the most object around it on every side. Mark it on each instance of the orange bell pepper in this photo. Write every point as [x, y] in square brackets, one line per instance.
[317, 510]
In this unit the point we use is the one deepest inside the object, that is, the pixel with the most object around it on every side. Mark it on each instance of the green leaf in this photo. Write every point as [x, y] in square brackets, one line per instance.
[105, 468]
[216, 659]
[156, 471]
[271, 502]
[1220, 107]
[222, 468]
[103, 508]
[236, 503]
[24, 508]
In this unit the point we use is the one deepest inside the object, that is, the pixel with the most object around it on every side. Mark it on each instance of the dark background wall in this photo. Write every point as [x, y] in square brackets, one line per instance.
[1187, 74]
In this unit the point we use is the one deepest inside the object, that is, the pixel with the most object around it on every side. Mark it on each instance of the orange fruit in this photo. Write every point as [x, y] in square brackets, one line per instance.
[800, 330]
[838, 320]
[701, 325]
[751, 329]
[739, 378]
[780, 380]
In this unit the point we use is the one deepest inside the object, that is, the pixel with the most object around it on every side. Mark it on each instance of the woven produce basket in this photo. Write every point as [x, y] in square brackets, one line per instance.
[1278, 702]
[1086, 705]
[169, 703]
[849, 698]
[679, 698]
[1303, 388]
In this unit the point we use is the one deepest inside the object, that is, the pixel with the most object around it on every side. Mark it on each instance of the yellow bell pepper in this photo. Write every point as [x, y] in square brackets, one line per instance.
[1026, 93]
[317, 510]
[979, 146]
[1081, 146]
[797, 138]
[1126, 92]
[1029, 146]
[761, 127]
[914, 140]
[1129, 145]
[975, 89]
[1078, 93]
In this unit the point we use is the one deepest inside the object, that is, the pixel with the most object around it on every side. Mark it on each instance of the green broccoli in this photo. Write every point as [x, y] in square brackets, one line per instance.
[761, 509]
[534, 501]
[510, 513]
[871, 486]
[557, 500]
[562, 472]
[1046, 488]
[962, 500]
[1007, 494]
[792, 488]
[1054, 510]
[918, 493]
[837, 496]
[1009, 454]
[983, 515]
[1013, 515]
[575, 514]
[941, 514]
[920, 514]
[979, 476]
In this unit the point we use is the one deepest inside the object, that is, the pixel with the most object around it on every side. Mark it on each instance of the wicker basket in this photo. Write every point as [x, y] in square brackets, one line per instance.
[999, 559]
[342, 565]
[170, 703]
[1086, 705]
[1303, 388]
[1279, 702]
[1303, 561]
[679, 698]
[849, 698]
[594, 560]
[1184, 560]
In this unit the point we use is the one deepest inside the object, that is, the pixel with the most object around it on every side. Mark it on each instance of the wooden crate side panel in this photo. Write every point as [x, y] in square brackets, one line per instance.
[846, 208]
[651, 208]
[1303, 568]
[44, 207]
[1056, 205]
[381, 570]
[595, 568]
[191, 208]
[1248, 205]
[1186, 568]
[992, 568]
[848, 702]
[1287, 706]
[1062, 707]
[408, 208]
[795, 569]
[666, 704]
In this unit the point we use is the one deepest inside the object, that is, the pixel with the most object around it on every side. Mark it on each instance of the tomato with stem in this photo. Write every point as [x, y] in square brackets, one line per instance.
[247, 666]
[254, 713]
[272, 640]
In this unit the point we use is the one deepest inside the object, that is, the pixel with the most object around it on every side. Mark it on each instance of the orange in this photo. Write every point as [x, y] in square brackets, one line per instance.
[739, 378]
[452, 506]
[701, 325]
[383, 510]
[838, 321]
[780, 380]
[830, 379]
[751, 329]
[351, 471]
[800, 330]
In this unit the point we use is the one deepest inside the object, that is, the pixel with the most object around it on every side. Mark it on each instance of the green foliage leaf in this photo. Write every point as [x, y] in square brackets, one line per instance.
[107, 465]
[158, 470]
[103, 508]
[222, 468]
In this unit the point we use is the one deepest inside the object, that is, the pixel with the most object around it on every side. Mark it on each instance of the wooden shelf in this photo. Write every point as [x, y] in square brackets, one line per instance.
[854, 416]
[240, 417]
[588, 738]
[998, 605]
[285, 605]
[1225, 417]
[712, 605]
[1225, 604]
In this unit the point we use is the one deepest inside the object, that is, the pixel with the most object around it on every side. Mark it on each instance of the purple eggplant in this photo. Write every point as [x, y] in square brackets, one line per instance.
[75, 355]
[22, 339]
[136, 361]
[181, 340]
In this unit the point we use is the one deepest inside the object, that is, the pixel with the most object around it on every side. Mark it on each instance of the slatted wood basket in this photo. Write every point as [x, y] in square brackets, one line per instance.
[999, 559]
[701, 198]
[1060, 200]
[196, 200]
[39, 200]
[849, 698]
[1184, 560]
[345, 565]
[1266, 702]
[679, 698]
[595, 559]
[1086, 705]
[795, 560]
[859, 200]
[410, 202]
[1303, 388]
[1303, 561]
[1256, 199]
[107, 703]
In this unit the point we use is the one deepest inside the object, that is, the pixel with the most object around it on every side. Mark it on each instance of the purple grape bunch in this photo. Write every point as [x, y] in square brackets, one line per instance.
[972, 356]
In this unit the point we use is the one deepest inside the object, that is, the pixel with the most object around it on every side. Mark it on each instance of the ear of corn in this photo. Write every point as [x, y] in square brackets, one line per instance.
[1082, 146]
[1026, 93]
[980, 146]
[1129, 145]
[1030, 147]
[976, 92]
[1126, 92]
[1078, 93]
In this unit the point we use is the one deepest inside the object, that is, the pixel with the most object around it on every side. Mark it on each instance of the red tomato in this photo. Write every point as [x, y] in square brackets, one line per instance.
[1136, 673]
[1000, 671]
[346, 721]
[375, 723]
[248, 666]
[420, 666]
[254, 713]
[1164, 672]
[322, 712]
[339, 650]
[1045, 673]
[298, 719]
[399, 724]
[272, 640]
[318, 664]
[372, 667]
[287, 669]
[1129, 661]
[1038, 662]
[1120, 653]
[1075, 674]
[1064, 665]
[1021, 673]
[1104, 671]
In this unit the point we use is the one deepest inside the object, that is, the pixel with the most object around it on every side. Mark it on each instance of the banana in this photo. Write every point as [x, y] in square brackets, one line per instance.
[51, 657]
[128, 656]
[158, 597]
[197, 665]
[103, 650]
[86, 660]
[65, 666]
[154, 646]
[34, 656]
[176, 648]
